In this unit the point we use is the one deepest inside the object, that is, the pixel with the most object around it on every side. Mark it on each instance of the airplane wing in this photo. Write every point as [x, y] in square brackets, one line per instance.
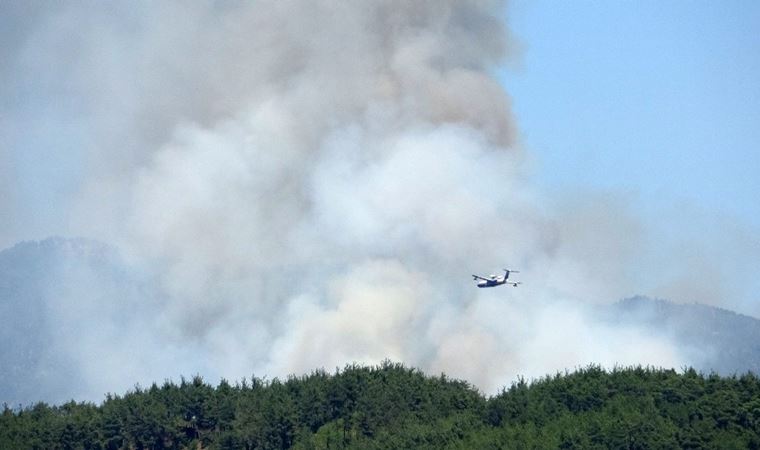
[476, 277]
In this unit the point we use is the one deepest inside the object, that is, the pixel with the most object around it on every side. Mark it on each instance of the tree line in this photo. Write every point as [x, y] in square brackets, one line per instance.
[393, 406]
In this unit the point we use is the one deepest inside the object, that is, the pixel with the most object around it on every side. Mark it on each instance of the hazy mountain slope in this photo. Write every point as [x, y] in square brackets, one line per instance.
[715, 339]
[50, 291]
[73, 317]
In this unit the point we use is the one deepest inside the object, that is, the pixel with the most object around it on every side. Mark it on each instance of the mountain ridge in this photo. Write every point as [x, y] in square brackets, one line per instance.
[718, 339]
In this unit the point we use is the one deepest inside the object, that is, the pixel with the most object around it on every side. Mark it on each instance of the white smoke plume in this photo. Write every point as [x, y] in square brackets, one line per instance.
[308, 184]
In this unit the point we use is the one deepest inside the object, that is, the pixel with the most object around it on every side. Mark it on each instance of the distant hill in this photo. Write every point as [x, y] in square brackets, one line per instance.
[42, 285]
[714, 339]
[391, 406]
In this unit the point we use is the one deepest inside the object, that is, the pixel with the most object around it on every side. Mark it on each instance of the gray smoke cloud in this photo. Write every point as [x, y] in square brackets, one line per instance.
[302, 184]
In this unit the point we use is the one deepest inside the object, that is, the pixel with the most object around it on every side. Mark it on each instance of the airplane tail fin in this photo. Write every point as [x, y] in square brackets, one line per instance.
[507, 272]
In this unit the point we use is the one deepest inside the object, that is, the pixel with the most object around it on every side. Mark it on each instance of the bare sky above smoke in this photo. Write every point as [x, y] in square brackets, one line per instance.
[309, 184]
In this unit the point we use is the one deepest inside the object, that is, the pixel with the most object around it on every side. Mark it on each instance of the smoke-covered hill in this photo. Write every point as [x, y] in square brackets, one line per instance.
[79, 322]
[57, 316]
[30, 366]
[714, 339]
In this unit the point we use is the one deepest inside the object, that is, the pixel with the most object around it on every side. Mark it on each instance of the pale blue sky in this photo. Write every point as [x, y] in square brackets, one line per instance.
[657, 100]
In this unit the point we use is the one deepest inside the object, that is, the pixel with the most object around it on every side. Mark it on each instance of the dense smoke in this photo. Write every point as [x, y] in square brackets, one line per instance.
[303, 185]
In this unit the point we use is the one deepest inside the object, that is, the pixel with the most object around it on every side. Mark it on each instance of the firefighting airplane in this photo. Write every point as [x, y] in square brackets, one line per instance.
[493, 280]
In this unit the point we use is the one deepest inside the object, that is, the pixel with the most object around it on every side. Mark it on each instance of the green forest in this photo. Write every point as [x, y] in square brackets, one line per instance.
[393, 406]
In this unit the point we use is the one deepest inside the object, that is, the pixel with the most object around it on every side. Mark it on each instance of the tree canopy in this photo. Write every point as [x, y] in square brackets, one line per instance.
[393, 406]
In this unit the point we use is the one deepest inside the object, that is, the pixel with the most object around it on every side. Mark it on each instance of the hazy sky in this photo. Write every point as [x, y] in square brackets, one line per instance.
[658, 100]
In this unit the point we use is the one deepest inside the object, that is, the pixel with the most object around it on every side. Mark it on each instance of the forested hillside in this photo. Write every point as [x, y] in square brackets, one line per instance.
[391, 406]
